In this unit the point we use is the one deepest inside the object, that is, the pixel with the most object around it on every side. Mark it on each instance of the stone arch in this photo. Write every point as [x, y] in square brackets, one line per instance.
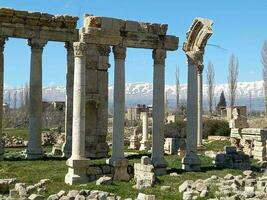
[198, 35]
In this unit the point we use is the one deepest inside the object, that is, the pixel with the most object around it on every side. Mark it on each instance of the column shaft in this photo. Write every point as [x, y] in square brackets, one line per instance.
[119, 104]
[145, 126]
[78, 137]
[2, 43]
[158, 108]
[200, 108]
[34, 149]
[69, 100]
[191, 161]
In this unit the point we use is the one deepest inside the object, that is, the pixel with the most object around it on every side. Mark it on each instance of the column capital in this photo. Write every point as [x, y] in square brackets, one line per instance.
[2, 43]
[37, 44]
[69, 46]
[195, 58]
[119, 52]
[159, 56]
[80, 49]
[200, 68]
[103, 50]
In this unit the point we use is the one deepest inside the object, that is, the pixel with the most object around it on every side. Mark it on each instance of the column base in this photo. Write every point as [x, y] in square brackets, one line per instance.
[120, 169]
[77, 171]
[191, 162]
[145, 145]
[66, 149]
[33, 154]
[160, 165]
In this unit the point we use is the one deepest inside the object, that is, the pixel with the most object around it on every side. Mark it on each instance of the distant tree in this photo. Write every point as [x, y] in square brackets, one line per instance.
[15, 99]
[177, 81]
[232, 79]
[9, 98]
[26, 95]
[264, 72]
[210, 79]
[222, 102]
[21, 97]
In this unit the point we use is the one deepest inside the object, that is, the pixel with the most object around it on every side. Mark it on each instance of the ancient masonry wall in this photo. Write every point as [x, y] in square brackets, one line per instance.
[97, 101]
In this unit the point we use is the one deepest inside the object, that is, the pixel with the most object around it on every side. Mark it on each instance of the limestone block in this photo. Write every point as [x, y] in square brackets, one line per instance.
[142, 196]
[259, 143]
[131, 26]
[6, 15]
[92, 21]
[104, 180]
[158, 29]
[145, 160]
[170, 42]
[94, 170]
[106, 23]
[144, 173]
[171, 146]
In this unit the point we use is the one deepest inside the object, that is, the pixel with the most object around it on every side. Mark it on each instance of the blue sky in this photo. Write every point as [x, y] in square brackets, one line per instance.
[240, 27]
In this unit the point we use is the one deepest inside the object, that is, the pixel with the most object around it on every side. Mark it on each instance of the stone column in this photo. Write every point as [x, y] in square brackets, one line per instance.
[77, 163]
[69, 100]
[191, 161]
[158, 111]
[117, 158]
[2, 44]
[199, 106]
[34, 149]
[144, 142]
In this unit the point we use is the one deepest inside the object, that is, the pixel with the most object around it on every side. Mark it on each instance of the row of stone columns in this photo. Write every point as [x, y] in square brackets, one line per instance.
[34, 148]
[77, 162]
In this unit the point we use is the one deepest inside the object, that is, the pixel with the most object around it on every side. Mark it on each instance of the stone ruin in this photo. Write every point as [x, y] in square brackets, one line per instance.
[91, 60]
[144, 173]
[252, 141]
[232, 159]
[86, 112]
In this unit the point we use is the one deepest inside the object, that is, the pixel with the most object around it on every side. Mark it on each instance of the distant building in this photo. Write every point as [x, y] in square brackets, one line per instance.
[54, 105]
[58, 105]
[134, 114]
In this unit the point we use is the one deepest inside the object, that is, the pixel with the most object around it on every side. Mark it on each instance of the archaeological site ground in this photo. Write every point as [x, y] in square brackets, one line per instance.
[108, 139]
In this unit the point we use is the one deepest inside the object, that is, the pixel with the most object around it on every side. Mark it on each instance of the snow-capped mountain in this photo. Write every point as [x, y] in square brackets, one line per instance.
[142, 93]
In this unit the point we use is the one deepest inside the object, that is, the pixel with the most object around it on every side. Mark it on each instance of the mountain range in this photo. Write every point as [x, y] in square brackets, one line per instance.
[248, 93]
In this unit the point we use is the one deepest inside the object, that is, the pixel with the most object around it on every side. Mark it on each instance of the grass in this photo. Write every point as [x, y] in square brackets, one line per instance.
[19, 132]
[55, 169]
[217, 145]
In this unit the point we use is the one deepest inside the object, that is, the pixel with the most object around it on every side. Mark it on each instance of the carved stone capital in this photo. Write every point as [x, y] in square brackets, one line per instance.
[200, 68]
[80, 49]
[195, 58]
[119, 52]
[159, 56]
[69, 46]
[103, 50]
[2, 43]
[37, 44]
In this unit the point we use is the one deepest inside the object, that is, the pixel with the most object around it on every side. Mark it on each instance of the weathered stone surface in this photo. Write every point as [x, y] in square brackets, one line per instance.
[144, 173]
[53, 197]
[142, 196]
[105, 180]
[186, 185]
[36, 197]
